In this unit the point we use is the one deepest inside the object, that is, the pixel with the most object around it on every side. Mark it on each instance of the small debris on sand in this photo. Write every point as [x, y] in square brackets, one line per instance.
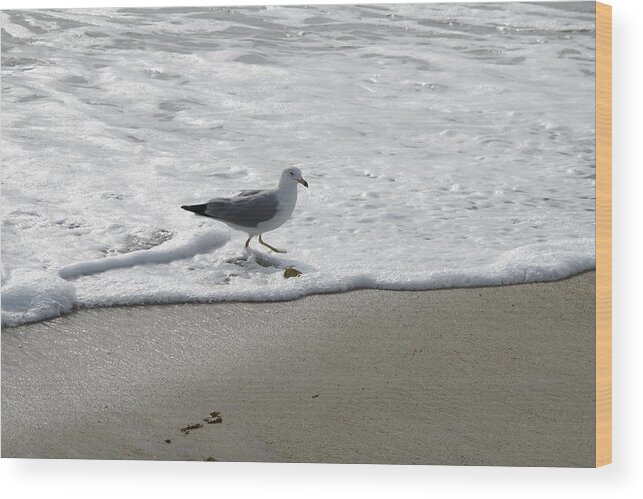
[291, 272]
[316, 395]
[167, 441]
[210, 459]
[213, 419]
[186, 429]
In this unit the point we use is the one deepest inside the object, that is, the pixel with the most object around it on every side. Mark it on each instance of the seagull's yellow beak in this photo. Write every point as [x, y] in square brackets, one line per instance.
[302, 182]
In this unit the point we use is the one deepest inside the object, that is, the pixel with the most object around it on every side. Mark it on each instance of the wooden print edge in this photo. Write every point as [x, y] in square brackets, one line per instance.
[603, 234]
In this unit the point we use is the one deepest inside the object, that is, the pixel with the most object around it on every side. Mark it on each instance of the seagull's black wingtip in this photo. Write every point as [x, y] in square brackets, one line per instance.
[199, 209]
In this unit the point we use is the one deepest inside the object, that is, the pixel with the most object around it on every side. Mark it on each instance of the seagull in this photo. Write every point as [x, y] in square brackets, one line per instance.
[256, 212]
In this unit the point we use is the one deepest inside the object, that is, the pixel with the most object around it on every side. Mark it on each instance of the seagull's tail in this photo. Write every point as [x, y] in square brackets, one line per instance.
[199, 209]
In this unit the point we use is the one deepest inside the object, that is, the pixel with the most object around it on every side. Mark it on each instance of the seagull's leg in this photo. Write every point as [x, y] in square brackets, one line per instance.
[247, 243]
[271, 247]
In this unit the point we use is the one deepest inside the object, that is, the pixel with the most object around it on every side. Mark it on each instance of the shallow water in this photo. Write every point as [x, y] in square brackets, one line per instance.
[445, 145]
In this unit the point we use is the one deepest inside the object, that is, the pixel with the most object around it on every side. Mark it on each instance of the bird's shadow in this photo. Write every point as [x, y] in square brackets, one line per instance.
[253, 257]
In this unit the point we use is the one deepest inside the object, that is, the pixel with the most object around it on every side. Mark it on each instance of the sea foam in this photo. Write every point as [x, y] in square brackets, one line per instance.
[445, 145]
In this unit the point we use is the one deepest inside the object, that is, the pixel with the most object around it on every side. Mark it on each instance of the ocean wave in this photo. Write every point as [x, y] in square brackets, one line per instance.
[445, 145]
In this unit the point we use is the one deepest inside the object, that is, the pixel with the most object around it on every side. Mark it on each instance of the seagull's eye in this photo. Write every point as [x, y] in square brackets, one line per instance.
[292, 173]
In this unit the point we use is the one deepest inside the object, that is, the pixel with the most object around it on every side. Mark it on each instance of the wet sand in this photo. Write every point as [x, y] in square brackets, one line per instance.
[482, 376]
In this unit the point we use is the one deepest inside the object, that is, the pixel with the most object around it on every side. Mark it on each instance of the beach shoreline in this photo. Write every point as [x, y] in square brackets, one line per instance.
[476, 376]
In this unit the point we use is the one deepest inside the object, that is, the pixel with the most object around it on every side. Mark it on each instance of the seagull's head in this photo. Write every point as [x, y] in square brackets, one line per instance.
[293, 174]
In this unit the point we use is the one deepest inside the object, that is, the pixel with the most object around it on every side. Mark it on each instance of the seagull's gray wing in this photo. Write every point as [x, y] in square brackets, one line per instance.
[250, 193]
[245, 210]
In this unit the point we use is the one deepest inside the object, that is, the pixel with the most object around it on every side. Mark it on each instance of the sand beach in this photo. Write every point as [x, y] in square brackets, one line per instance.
[480, 376]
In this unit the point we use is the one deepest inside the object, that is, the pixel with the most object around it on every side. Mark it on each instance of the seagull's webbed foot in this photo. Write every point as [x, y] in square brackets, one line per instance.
[276, 250]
